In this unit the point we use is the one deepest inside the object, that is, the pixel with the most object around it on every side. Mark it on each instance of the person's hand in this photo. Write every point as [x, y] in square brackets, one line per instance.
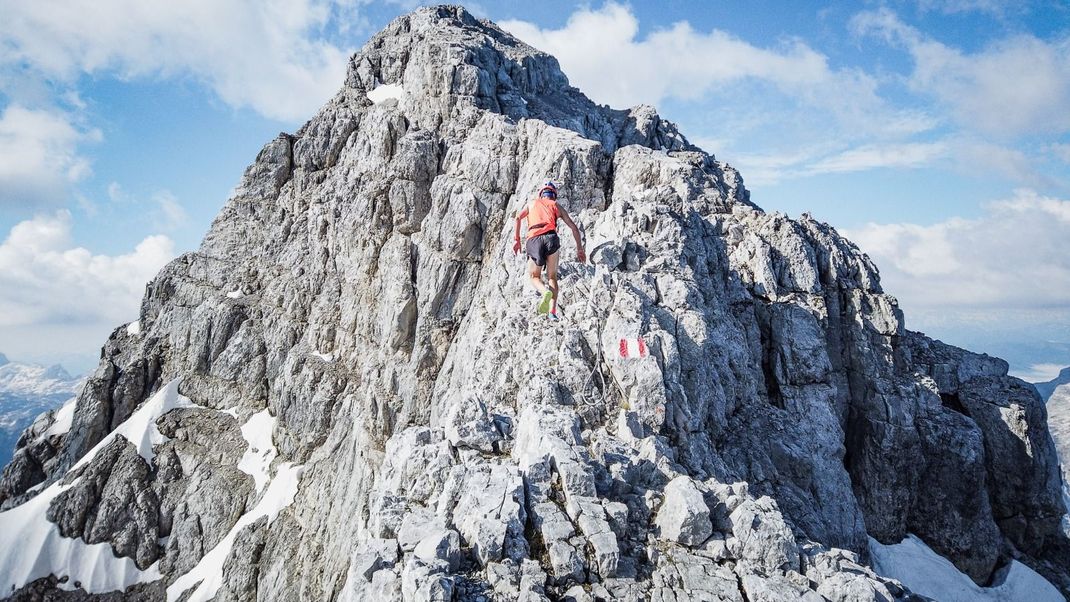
[582, 255]
[516, 246]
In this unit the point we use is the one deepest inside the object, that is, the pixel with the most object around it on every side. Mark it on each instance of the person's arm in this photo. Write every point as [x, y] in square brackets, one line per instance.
[580, 252]
[516, 234]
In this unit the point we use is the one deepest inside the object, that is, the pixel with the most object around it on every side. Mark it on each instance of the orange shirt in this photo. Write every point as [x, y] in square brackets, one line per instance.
[542, 216]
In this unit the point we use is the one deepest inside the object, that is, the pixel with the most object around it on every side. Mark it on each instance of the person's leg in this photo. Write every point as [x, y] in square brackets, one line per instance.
[535, 276]
[551, 278]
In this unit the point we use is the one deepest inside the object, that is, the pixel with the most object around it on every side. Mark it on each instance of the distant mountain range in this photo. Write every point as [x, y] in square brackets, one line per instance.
[26, 391]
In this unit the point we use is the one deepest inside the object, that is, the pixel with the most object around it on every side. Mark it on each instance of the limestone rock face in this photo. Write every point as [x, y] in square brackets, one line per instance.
[684, 517]
[346, 393]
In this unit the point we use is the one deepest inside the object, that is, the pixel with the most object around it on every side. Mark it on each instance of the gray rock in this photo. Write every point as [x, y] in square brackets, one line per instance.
[576, 593]
[716, 548]
[242, 569]
[426, 581]
[504, 578]
[417, 525]
[840, 577]
[468, 425]
[684, 517]
[775, 589]
[376, 554]
[440, 545]
[112, 501]
[844, 587]
[532, 582]
[490, 515]
[683, 576]
[764, 541]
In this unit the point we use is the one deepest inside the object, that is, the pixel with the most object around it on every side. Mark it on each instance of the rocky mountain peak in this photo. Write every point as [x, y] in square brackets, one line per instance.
[3, 359]
[29, 379]
[465, 63]
[56, 372]
[345, 393]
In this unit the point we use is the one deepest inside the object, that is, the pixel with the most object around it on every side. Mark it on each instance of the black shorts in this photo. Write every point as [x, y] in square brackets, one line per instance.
[542, 246]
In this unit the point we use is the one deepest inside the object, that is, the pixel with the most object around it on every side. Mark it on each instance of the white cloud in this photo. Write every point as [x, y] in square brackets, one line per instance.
[825, 158]
[163, 209]
[1013, 256]
[811, 117]
[169, 213]
[1039, 373]
[979, 157]
[1016, 85]
[761, 169]
[1027, 202]
[600, 52]
[992, 7]
[116, 193]
[46, 280]
[39, 158]
[269, 55]
[870, 156]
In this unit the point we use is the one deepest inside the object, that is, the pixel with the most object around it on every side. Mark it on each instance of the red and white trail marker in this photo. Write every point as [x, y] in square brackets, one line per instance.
[631, 348]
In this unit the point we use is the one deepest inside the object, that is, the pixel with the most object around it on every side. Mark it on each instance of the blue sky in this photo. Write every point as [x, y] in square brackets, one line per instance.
[935, 133]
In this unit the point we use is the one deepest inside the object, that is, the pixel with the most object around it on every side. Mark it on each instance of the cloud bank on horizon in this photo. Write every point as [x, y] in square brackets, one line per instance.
[984, 125]
[1012, 257]
[1004, 272]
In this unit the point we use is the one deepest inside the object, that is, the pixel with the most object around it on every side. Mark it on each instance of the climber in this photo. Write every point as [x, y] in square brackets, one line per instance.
[542, 246]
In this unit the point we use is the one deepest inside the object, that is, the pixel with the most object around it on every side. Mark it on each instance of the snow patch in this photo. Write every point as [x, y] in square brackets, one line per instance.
[31, 547]
[207, 576]
[235, 294]
[327, 357]
[134, 328]
[929, 574]
[261, 452]
[384, 91]
[62, 419]
[140, 428]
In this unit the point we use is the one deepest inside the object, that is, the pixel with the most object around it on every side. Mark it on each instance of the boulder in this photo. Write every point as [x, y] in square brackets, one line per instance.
[683, 516]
